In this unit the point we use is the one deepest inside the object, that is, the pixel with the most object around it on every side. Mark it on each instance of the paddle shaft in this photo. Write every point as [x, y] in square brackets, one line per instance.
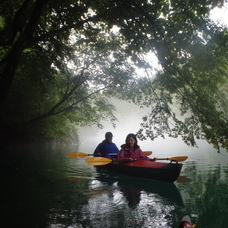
[83, 155]
[176, 159]
[104, 161]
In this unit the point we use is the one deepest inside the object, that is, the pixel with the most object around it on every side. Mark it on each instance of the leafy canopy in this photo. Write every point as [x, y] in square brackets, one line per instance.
[61, 60]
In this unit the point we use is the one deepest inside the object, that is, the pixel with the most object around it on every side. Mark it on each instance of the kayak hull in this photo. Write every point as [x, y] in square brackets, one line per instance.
[168, 172]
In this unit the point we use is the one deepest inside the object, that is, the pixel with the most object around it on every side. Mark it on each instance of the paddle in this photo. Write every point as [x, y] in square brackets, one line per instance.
[104, 161]
[147, 153]
[98, 161]
[78, 155]
[83, 155]
[176, 159]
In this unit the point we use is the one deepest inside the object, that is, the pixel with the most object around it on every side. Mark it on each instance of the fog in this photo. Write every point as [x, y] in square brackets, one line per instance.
[129, 118]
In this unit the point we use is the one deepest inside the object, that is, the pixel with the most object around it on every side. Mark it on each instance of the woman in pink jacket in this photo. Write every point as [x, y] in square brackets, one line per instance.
[131, 150]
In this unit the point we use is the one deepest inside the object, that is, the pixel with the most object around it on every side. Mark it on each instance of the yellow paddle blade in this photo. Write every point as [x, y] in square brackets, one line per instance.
[178, 159]
[98, 161]
[147, 153]
[76, 155]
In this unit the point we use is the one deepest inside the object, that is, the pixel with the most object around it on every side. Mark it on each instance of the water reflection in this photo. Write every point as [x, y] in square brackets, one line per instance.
[205, 195]
[124, 205]
[132, 188]
[115, 200]
[147, 203]
[44, 188]
[182, 179]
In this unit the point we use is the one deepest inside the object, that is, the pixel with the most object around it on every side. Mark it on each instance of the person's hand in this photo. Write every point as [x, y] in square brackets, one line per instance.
[98, 155]
[130, 159]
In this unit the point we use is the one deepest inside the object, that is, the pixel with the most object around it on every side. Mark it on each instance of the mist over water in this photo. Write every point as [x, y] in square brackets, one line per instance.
[129, 118]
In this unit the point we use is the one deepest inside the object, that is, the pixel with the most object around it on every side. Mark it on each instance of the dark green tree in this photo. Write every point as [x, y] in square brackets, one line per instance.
[61, 74]
[59, 59]
[193, 78]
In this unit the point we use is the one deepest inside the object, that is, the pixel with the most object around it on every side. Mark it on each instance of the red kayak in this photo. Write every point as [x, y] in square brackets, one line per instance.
[168, 172]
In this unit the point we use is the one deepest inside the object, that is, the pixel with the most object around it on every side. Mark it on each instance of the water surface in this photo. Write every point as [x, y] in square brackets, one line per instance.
[42, 187]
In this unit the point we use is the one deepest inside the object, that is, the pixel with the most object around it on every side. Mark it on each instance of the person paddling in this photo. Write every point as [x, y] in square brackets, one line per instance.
[106, 148]
[130, 150]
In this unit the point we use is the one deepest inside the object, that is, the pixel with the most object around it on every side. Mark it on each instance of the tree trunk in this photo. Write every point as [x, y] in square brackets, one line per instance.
[14, 56]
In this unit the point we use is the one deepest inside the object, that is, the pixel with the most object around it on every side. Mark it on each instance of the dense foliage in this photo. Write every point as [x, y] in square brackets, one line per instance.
[60, 60]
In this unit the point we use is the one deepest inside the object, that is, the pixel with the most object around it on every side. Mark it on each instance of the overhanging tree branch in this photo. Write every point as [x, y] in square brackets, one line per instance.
[53, 111]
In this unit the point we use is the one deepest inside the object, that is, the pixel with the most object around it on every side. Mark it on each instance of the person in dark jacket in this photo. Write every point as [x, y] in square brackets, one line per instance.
[106, 148]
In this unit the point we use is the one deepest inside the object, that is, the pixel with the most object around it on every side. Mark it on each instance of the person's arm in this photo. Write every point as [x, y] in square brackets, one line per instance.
[97, 152]
[121, 156]
[116, 148]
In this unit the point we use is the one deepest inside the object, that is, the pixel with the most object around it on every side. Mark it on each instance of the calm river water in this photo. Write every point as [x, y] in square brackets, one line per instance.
[42, 187]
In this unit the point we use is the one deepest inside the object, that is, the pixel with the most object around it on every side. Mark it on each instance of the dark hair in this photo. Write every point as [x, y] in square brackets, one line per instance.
[134, 137]
[108, 135]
